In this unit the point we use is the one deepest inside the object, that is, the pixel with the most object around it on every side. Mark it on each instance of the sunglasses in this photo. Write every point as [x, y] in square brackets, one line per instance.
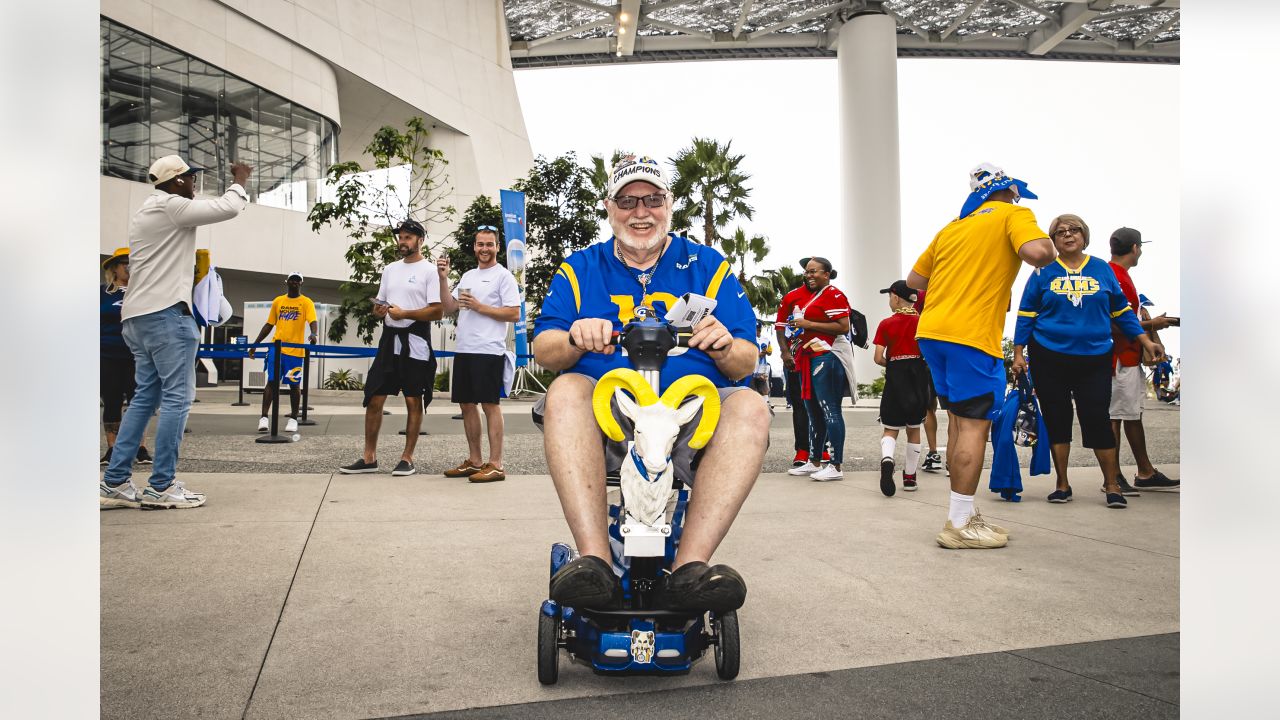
[629, 202]
[490, 228]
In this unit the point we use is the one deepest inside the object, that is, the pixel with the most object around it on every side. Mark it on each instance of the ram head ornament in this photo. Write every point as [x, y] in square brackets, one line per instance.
[647, 470]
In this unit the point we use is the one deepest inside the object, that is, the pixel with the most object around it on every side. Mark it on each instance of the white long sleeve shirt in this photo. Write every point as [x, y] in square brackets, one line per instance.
[162, 247]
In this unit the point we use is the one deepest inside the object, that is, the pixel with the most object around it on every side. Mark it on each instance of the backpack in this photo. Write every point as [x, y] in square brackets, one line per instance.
[858, 329]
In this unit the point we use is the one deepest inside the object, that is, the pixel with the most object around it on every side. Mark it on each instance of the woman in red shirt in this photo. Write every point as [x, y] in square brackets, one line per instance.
[821, 315]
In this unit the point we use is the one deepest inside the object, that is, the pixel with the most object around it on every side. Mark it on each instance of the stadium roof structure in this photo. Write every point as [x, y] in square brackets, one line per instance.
[549, 33]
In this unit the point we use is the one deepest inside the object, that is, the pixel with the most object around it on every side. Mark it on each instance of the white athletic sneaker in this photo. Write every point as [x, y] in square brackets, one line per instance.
[806, 469]
[125, 495]
[264, 424]
[291, 426]
[827, 474]
[174, 496]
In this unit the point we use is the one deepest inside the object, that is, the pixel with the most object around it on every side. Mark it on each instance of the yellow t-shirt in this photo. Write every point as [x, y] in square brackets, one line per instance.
[971, 265]
[291, 318]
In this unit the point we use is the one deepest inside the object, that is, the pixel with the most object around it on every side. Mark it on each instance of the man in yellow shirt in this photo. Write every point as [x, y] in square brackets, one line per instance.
[969, 270]
[291, 314]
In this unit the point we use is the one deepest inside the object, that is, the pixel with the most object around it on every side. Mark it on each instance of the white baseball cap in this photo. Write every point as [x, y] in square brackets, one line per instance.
[632, 169]
[293, 275]
[168, 168]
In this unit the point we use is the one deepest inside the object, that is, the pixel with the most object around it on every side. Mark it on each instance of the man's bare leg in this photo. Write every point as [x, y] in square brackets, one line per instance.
[1137, 436]
[725, 476]
[930, 430]
[372, 424]
[1109, 463]
[575, 458]
[495, 426]
[414, 406]
[1061, 454]
[471, 426]
[966, 448]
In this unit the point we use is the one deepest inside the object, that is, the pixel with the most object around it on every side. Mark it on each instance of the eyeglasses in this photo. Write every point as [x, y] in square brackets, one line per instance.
[490, 228]
[1063, 232]
[628, 202]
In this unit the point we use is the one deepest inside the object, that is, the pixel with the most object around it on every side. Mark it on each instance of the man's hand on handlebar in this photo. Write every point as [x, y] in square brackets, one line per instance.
[592, 335]
[711, 337]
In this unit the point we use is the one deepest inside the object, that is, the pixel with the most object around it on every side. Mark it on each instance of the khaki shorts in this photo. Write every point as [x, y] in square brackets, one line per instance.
[682, 456]
[1128, 390]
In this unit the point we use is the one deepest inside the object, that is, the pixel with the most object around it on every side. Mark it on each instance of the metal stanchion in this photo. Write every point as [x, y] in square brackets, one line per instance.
[240, 389]
[306, 386]
[275, 436]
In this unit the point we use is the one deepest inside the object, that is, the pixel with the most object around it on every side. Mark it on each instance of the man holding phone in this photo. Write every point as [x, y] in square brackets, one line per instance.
[1128, 386]
[408, 300]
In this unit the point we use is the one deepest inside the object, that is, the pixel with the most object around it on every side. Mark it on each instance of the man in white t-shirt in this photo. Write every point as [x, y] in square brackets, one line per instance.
[486, 300]
[408, 301]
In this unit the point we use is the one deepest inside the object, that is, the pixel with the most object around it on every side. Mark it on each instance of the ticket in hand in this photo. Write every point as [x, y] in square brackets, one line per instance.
[690, 310]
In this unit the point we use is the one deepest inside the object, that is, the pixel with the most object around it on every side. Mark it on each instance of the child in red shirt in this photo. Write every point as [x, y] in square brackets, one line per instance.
[907, 390]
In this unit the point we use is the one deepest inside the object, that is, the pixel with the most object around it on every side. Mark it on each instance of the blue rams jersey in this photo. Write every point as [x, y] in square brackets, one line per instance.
[593, 282]
[1071, 310]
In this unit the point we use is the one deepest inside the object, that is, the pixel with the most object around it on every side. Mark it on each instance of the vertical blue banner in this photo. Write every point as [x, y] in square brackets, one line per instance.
[513, 230]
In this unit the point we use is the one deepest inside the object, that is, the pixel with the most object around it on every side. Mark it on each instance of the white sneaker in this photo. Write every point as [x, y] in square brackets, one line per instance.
[125, 495]
[291, 426]
[827, 474]
[174, 496]
[806, 469]
[264, 424]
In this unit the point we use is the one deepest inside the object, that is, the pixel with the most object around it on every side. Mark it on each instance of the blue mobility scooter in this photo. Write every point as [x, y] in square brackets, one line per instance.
[646, 511]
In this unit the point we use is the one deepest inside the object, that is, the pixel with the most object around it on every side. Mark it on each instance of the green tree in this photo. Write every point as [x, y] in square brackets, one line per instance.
[481, 211]
[560, 217]
[600, 179]
[709, 186]
[767, 289]
[368, 213]
[738, 247]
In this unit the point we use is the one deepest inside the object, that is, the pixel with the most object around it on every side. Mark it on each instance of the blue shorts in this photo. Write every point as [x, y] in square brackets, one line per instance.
[969, 382]
[290, 366]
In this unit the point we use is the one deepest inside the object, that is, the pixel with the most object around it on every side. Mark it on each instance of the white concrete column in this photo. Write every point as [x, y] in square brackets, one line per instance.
[871, 225]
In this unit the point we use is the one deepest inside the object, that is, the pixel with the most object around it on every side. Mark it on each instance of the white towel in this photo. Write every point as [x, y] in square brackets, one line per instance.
[209, 301]
[508, 372]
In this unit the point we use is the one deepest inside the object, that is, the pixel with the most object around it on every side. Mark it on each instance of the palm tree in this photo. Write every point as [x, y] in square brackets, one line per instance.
[600, 178]
[737, 248]
[709, 186]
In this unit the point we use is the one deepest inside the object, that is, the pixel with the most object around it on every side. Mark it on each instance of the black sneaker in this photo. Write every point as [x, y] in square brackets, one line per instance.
[143, 457]
[1060, 496]
[587, 582]
[106, 459]
[404, 467]
[1155, 482]
[1126, 489]
[358, 467]
[1116, 500]
[696, 586]
[908, 482]
[932, 462]
[887, 486]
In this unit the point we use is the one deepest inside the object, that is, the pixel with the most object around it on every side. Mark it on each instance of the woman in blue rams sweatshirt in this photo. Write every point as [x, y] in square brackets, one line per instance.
[1065, 320]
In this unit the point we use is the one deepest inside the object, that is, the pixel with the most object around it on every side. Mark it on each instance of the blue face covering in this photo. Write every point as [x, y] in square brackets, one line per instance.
[997, 182]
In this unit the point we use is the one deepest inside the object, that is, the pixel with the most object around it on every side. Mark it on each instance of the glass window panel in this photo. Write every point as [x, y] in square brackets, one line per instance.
[306, 152]
[168, 83]
[204, 134]
[275, 154]
[127, 133]
[239, 118]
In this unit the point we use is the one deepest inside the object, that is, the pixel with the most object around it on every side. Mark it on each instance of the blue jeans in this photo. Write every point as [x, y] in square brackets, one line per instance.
[164, 357]
[828, 390]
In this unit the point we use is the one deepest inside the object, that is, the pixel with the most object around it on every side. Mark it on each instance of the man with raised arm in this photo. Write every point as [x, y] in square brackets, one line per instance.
[594, 294]
[969, 270]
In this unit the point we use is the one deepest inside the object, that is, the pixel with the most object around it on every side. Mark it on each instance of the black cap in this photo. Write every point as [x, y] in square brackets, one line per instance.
[1123, 240]
[412, 226]
[902, 290]
[823, 261]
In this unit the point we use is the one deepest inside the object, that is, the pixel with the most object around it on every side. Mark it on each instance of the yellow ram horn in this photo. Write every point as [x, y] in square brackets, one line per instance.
[625, 378]
[701, 386]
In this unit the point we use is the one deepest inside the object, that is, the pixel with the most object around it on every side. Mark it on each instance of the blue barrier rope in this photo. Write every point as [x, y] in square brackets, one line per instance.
[234, 351]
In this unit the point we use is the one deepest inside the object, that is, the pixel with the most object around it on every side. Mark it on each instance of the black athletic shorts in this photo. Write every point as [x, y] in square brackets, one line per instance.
[907, 392]
[1059, 379]
[406, 375]
[477, 378]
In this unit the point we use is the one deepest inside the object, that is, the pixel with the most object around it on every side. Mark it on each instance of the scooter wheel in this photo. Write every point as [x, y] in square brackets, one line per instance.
[728, 645]
[549, 649]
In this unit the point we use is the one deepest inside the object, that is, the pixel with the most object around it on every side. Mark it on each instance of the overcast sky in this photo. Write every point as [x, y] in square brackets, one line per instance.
[1096, 139]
